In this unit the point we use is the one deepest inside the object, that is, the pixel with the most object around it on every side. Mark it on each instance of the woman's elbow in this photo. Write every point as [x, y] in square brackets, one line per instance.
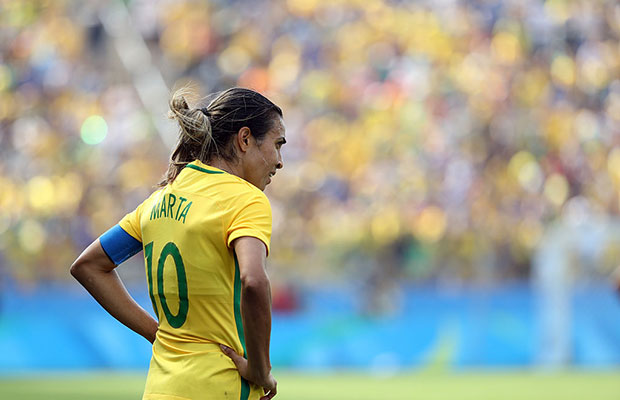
[77, 268]
[83, 266]
[92, 261]
[255, 282]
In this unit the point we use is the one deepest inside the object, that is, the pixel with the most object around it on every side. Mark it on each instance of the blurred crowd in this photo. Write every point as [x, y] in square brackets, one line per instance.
[426, 140]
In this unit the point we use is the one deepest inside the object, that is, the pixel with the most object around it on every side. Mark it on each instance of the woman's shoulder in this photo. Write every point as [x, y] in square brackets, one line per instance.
[245, 191]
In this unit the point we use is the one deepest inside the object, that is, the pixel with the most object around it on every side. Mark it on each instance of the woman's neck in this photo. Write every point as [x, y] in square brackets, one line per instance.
[228, 166]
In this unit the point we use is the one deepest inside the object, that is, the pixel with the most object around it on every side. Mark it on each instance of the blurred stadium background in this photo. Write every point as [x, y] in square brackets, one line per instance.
[449, 200]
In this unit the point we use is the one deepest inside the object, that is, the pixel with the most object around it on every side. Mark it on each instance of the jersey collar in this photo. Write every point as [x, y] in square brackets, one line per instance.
[199, 166]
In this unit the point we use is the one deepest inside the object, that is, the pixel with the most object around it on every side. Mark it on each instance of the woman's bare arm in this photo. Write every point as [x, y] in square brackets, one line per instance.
[96, 272]
[256, 314]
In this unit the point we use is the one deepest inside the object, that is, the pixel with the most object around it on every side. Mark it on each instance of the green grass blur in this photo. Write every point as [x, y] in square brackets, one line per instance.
[603, 385]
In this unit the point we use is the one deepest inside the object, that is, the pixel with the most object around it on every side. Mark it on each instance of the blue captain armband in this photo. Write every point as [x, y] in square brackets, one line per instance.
[119, 245]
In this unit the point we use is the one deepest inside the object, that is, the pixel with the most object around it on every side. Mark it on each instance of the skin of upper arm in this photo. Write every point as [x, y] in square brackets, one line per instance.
[251, 254]
[93, 257]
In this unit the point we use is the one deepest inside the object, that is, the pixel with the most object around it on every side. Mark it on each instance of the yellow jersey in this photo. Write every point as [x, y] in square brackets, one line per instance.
[186, 230]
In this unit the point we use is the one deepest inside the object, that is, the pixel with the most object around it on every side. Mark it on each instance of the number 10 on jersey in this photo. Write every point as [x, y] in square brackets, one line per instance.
[170, 249]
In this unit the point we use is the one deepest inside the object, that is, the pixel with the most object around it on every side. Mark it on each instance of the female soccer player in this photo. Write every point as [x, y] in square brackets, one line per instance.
[205, 235]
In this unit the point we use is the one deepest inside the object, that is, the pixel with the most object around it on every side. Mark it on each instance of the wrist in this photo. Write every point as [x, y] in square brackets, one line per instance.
[260, 373]
[151, 331]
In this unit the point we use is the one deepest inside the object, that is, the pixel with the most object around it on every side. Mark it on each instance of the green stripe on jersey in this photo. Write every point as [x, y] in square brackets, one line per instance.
[245, 390]
[237, 305]
[245, 387]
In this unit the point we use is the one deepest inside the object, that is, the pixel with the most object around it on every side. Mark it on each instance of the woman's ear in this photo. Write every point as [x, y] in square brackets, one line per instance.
[243, 138]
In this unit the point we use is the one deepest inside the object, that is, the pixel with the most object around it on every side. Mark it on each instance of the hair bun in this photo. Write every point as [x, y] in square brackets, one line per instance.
[194, 123]
[178, 103]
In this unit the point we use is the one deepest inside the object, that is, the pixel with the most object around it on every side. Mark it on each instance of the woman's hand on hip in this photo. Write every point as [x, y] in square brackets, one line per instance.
[263, 379]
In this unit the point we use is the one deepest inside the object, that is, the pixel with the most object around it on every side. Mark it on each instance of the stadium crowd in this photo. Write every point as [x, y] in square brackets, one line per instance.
[427, 140]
